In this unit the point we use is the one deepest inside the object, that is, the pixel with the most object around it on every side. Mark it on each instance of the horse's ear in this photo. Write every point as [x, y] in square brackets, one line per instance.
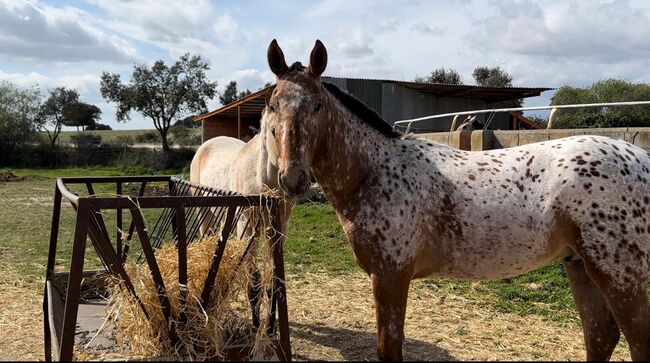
[318, 59]
[276, 59]
[269, 93]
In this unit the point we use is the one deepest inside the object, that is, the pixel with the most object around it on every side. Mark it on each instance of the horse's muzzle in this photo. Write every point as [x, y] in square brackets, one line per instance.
[294, 181]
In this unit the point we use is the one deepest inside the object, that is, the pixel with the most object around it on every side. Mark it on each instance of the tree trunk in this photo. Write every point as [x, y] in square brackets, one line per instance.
[163, 138]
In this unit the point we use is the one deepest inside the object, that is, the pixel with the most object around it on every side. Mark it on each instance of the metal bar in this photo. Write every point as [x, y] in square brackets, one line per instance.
[216, 260]
[74, 283]
[280, 293]
[118, 222]
[113, 179]
[49, 272]
[54, 234]
[200, 216]
[65, 192]
[604, 104]
[153, 268]
[102, 236]
[174, 211]
[171, 202]
[132, 226]
[181, 245]
[92, 235]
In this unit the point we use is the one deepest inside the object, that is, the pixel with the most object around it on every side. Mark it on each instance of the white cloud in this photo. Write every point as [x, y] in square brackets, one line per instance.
[226, 28]
[427, 30]
[154, 21]
[592, 31]
[37, 32]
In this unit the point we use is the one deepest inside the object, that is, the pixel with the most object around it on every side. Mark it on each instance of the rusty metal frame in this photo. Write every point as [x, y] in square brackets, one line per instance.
[185, 198]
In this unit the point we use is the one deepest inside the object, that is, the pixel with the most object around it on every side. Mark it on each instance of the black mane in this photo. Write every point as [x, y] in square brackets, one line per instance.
[297, 66]
[362, 111]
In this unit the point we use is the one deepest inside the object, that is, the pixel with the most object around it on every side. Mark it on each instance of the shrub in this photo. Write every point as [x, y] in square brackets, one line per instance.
[85, 140]
[149, 137]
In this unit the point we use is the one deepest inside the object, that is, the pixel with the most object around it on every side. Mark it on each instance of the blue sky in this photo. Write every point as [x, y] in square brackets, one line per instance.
[541, 43]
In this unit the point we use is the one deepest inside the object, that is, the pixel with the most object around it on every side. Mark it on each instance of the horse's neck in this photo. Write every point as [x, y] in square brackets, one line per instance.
[267, 171]
[351, 152]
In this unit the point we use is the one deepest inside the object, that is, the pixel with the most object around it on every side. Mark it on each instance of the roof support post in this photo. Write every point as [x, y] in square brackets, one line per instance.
[238, 123]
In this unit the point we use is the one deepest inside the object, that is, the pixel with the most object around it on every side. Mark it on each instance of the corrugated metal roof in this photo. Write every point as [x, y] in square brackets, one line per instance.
[253, 104]
[409, 83]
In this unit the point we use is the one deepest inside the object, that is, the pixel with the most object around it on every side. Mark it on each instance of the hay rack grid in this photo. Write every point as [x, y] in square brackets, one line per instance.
[184, 208]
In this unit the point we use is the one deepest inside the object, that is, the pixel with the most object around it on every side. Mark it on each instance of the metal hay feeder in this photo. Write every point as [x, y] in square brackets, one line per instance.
[185, 208]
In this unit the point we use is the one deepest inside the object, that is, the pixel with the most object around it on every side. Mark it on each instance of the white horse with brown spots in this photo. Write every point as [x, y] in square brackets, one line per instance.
[228, 163]
[413, 208]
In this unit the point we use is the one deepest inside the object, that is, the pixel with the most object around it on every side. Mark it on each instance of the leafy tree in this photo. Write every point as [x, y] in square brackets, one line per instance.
[229, 94]
[18, 118]
[441, 75]
[98, 126]
[188, 122]
[267, 84]
[495, 77]
[82, 115]
[608, 90]
[162, 93]
[492, 77]
[243, 94]
[54, 110]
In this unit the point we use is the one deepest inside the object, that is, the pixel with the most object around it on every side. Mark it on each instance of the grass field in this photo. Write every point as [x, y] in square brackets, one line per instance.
[315, 246]
[107, 135]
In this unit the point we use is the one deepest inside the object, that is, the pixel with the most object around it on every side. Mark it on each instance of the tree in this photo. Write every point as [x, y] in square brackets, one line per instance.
[608, 90]
[18, 118]
[441, 75]
[229, 94]
[53, 111]
[243, 94]
[187, 122]
[98, 127]
[162, 93]
[495, 77]
[492, 77]
[266, 84]
[82, 115]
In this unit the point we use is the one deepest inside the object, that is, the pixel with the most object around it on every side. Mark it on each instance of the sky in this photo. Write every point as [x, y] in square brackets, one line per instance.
[540, 43]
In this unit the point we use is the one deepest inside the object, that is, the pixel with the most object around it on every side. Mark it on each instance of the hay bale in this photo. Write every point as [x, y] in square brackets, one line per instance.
[206, 331]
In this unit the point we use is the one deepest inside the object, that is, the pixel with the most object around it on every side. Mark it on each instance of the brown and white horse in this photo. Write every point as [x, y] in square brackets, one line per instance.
[413, 208]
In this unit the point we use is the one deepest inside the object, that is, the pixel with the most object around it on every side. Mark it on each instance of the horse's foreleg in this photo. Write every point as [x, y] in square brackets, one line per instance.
[601, 332]
[391, 292]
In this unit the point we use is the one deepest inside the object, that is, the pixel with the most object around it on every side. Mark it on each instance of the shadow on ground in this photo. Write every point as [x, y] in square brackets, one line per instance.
[355, 345]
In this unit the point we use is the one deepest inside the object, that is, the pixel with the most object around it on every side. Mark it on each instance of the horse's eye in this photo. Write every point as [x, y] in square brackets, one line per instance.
[271, 108]
[273, 131]
[317, 107]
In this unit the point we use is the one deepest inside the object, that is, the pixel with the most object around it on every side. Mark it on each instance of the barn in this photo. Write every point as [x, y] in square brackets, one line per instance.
[393, 100]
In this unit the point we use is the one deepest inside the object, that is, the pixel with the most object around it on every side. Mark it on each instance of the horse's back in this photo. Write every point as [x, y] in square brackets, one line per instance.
[212, 160]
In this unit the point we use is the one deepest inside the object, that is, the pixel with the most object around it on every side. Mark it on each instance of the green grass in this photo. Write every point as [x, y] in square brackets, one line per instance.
[315, 243]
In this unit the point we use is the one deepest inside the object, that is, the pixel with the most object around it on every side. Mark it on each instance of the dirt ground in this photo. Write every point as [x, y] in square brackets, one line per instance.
[333, 319]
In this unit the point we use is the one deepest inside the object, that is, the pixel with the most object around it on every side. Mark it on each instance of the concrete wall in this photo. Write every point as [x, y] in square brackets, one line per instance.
[499, 139]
